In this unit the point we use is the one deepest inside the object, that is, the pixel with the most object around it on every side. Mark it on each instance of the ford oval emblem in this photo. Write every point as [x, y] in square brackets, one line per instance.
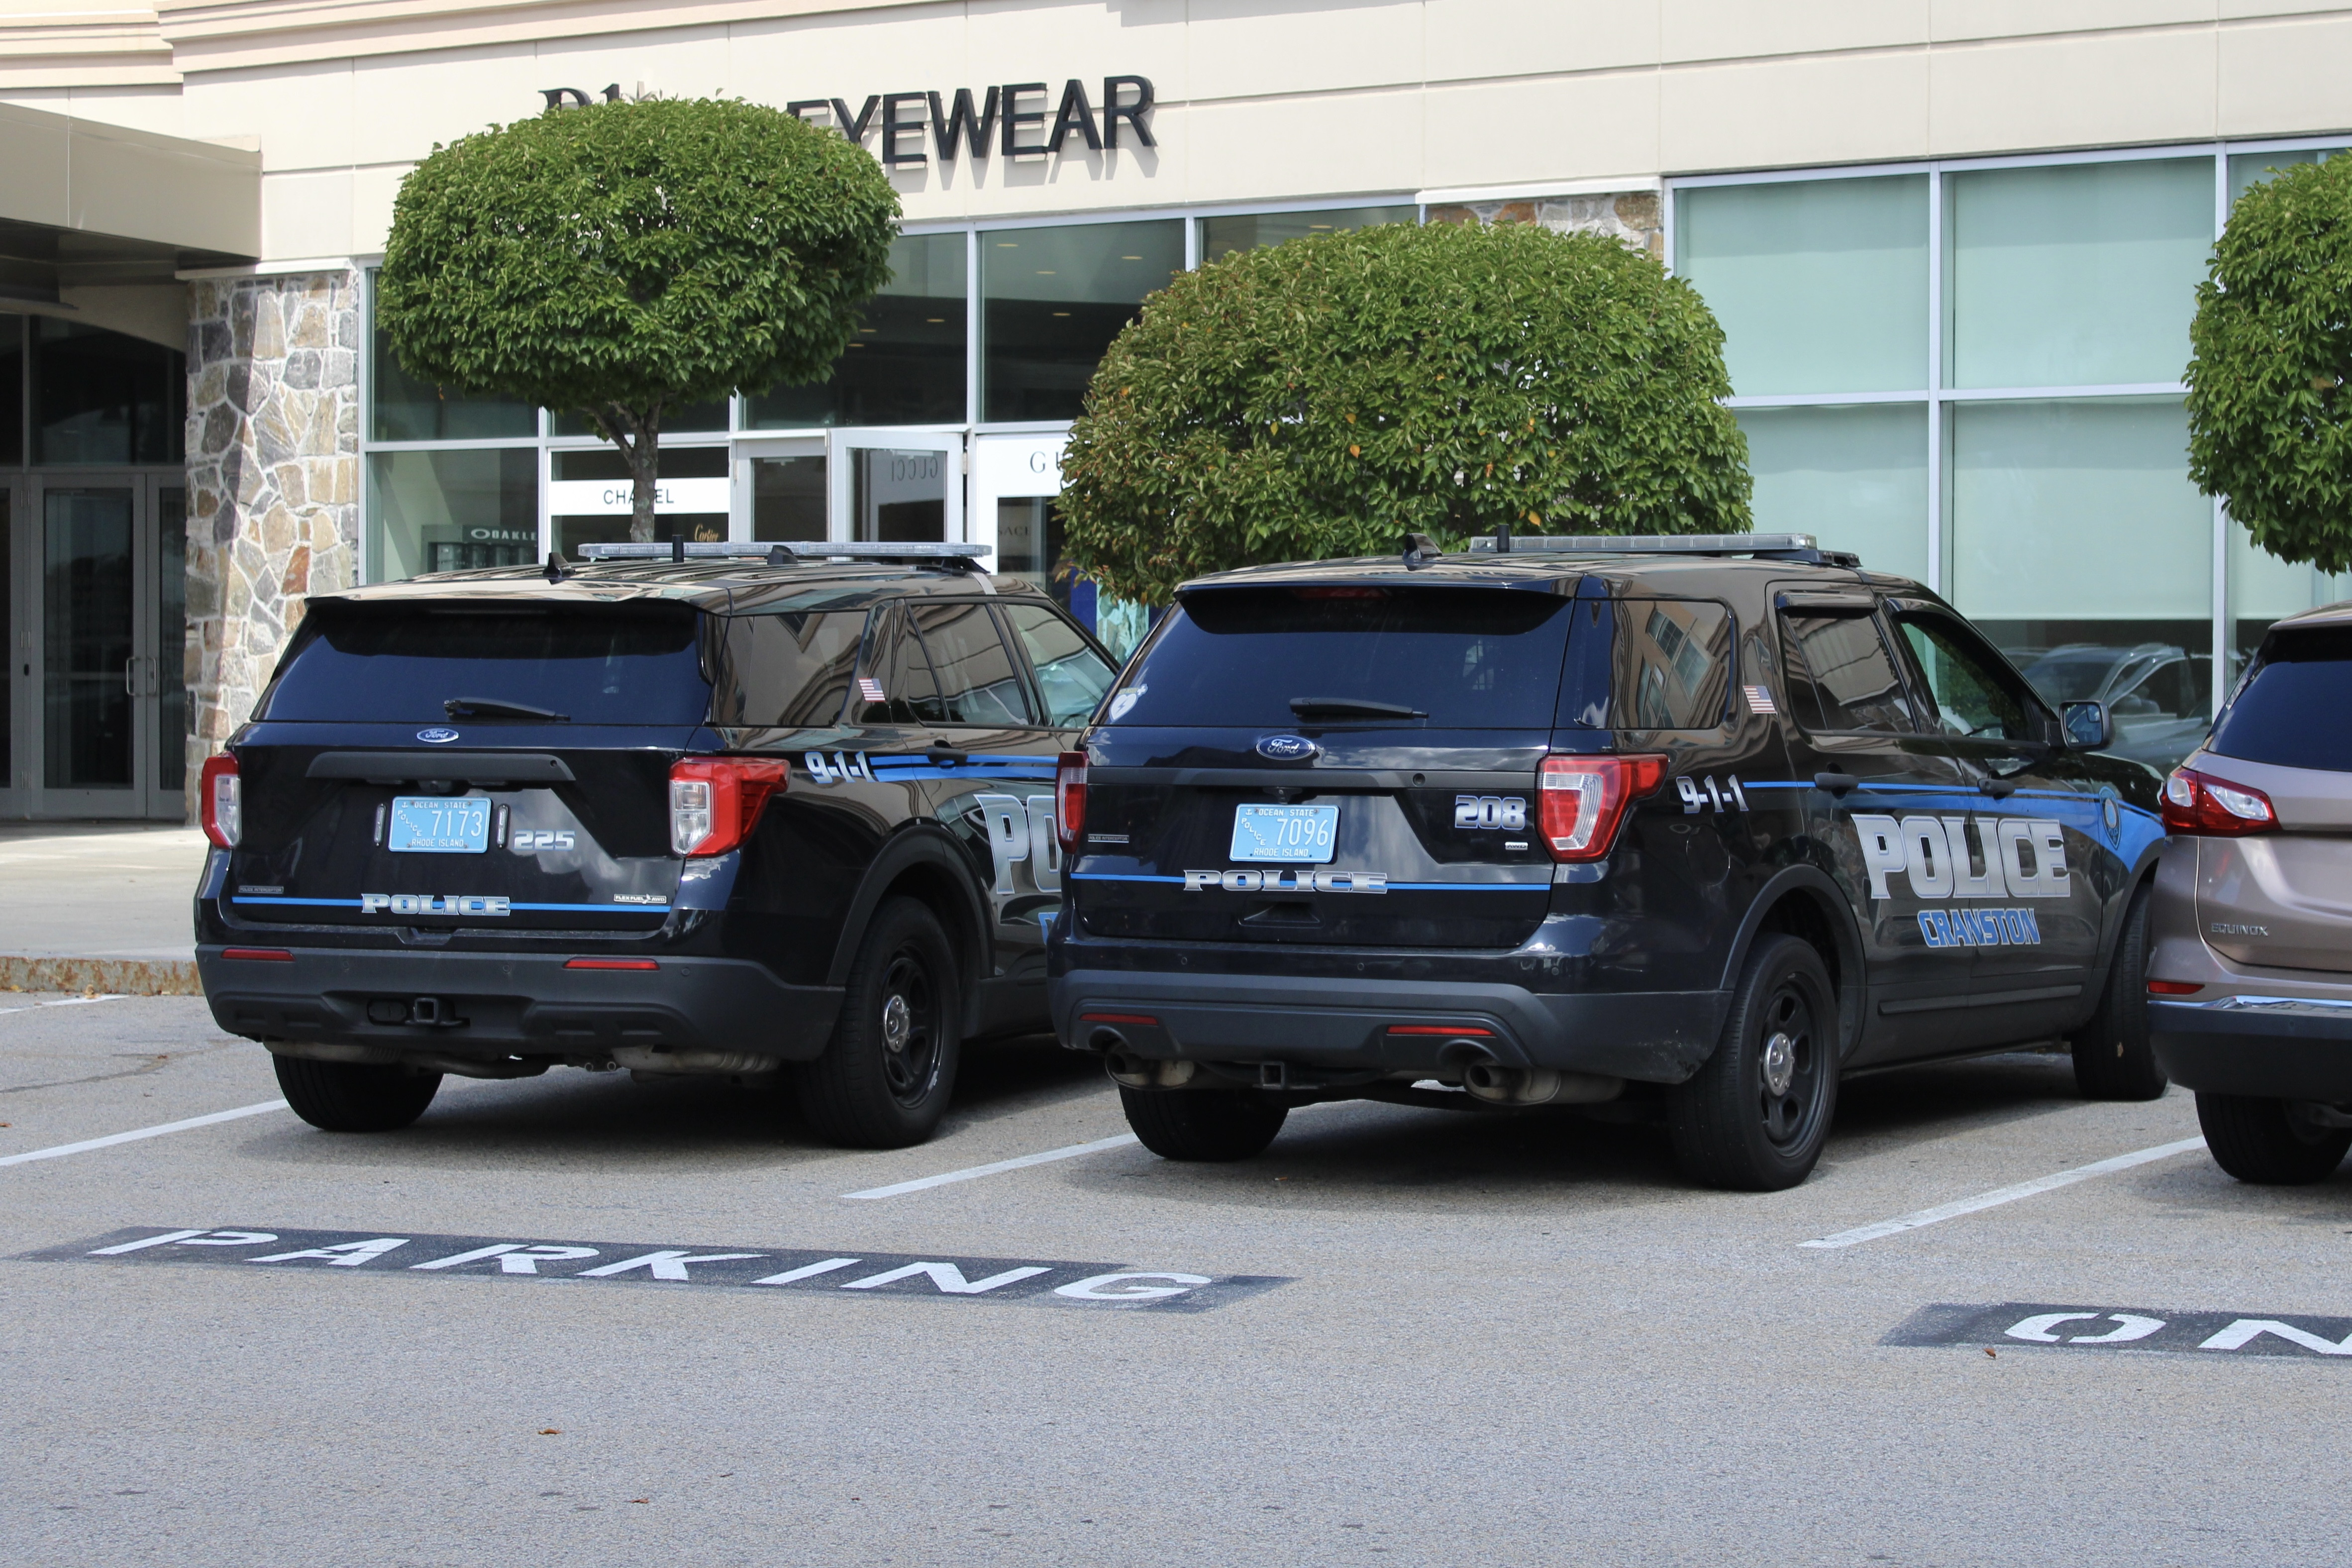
[1287, 748]
[436, 737]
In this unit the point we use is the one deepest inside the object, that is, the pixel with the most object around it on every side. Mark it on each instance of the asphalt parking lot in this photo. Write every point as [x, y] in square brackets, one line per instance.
[1403, 1335]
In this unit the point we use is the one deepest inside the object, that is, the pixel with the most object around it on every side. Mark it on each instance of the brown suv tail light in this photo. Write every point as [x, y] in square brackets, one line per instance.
[2200, 805]
[1582, 800]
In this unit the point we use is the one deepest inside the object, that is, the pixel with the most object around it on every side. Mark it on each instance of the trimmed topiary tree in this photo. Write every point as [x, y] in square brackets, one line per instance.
[2270, 412]
[624, 259]
[1326, 396]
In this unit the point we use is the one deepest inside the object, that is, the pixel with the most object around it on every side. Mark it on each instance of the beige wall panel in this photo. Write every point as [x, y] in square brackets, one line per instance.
[306, 215]
[401, 107]
[128, 184]
[686, 63]
[1963, 19]
[2231, 9]
[1559, 128]
[373, 188]
[922, 50]
[33, 183]
[157, 313]
[2287, 78]
[1240, 48]
[1020, 40]
[1743, 29]
[1257, 150]
[155, 108]
[1864, 108]
[303, 114]
[1470, 40]
[2073, 92]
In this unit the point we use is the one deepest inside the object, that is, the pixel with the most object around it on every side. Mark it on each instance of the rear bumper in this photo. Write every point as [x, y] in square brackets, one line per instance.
[516, 1004]
[1346, 1027]
[2266, 1046]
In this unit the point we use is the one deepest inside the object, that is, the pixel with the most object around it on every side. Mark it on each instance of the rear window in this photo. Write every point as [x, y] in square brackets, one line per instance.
[402, 667]
[789, 671]
[1468, 658]
[2292, 711]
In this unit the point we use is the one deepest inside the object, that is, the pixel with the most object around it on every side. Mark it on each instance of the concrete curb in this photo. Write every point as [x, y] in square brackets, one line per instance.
[117, 976]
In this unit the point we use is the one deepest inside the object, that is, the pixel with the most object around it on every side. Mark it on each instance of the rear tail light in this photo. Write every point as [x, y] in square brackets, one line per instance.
[220, 807]
[2200, 805]
[2173, 988]
[1580, 800]
[259, 954]
[715, 802]
[1070, 799]
[637, 963]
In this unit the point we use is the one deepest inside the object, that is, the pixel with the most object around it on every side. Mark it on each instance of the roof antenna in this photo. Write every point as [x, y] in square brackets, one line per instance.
[780, 556]
[558, 568]
[1419, 550]
[1503, 537]
[678, 548]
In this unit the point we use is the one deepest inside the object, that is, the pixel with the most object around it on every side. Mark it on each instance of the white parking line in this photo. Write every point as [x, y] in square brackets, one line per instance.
[132, 1137]
[66, 1002]
[1072, 1153]
[2000, 1195]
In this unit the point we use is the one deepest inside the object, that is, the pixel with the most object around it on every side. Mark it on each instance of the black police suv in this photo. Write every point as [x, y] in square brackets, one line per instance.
[683, 815]
[1700, 822]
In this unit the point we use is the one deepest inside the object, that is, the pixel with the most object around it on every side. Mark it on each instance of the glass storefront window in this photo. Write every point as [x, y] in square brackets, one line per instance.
[450, 511]
[2247, 169]
[1221, 237]
[12, 390]
[103, 397]
[1029, 544]
[906, 363]
[2076, 274]
[694, 418]
[2081, 548]
[1820, 285]
[589, 494]
[897, 497]
[788, 497]
[403, 408]
[1053, 299]
[88, 613]
[1855, 477]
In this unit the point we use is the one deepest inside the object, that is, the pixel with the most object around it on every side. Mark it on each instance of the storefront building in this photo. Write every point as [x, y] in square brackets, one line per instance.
[1953, 248]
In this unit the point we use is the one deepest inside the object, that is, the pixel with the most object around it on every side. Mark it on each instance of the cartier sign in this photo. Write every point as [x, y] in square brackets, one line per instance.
[1010, 120]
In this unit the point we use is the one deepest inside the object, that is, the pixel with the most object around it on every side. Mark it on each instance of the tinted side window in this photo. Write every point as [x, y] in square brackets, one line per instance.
[1072, 675]
[897, 688]
[978, 682]
[1673, 665]
[1970, 690]
[789, 672]
[1841, 675]
[2290, 712]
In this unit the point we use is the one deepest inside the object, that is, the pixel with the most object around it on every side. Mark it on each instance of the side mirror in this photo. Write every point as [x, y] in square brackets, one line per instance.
[2089, 726]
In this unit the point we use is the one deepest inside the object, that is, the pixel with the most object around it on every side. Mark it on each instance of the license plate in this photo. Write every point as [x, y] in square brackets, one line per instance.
[1287, 833]
[439, 825]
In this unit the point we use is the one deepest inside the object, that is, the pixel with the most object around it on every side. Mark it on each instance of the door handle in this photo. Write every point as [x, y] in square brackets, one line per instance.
[1836, 782]
[129, 686]
[2000, 789]
[945, 755]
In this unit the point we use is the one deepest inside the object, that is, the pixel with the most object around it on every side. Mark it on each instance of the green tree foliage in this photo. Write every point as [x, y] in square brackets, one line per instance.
[628, 259]
[1324, 397]
[2270, 415]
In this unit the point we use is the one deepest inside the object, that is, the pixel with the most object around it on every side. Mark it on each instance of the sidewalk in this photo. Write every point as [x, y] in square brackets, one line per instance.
[99, 906]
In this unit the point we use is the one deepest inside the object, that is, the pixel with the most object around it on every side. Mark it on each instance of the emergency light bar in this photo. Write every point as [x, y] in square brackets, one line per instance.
[1648, 544]
[784, 554]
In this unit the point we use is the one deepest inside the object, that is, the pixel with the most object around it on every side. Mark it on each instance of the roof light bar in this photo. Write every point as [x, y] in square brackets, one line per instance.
[798, 548]
[1650, 544]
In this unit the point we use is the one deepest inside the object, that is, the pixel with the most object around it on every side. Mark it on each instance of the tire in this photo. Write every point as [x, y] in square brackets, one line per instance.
[1205, 1124]
[886, 1076]
[2263, 1142]
[2112, 1057]
[1755, 1117]
[347, 1097]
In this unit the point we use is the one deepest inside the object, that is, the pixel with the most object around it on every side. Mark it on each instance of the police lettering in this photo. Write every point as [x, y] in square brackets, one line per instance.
[1302, 880]
[1966, 856]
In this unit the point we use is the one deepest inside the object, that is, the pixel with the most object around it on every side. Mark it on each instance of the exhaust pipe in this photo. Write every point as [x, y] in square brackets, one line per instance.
[1496, 1085]
[1131, 1071]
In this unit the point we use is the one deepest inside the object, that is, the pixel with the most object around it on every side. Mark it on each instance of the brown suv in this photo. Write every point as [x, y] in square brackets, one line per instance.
[2250, 984]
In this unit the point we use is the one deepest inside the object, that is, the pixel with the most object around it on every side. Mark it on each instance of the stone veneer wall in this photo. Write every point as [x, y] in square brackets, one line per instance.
[1635, 216]
[273, 445]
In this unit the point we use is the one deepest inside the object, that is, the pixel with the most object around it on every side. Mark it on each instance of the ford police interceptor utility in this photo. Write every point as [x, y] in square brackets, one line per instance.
[683, 815]
[1677, 827]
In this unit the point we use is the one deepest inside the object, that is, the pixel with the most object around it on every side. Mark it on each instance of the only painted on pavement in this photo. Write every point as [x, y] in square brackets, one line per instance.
[1054, 1282]
[2052, 1326]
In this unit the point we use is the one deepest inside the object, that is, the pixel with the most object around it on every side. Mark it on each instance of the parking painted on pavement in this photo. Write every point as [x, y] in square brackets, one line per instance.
[2046, 1325]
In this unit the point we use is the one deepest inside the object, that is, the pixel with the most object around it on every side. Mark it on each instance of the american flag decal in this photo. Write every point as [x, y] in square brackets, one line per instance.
[870, 689]
[1759, 699]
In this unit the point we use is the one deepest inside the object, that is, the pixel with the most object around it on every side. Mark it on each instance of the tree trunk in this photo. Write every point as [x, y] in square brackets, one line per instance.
[637, 433]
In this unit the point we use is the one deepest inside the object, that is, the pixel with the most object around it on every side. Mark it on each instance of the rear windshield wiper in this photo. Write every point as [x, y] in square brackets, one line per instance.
[1303, 706]
[472, 707]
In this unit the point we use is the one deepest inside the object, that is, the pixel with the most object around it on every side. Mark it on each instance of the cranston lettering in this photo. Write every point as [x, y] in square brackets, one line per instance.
[434, 904]
[1980, 927]
[1302, 880]
[1966, 856]
[1010, 120]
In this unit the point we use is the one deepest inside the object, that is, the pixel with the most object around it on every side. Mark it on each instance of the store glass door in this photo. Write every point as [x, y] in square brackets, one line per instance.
[896, 485]
[113, 697]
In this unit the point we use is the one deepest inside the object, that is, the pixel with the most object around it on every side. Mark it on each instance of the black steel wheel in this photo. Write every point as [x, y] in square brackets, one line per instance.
[1755, 1117]
[886, 1076]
